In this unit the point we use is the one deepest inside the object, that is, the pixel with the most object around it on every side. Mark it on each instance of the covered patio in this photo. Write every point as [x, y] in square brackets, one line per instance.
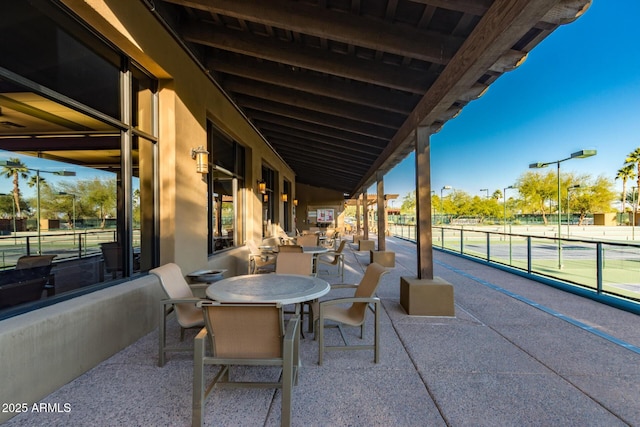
[516, 353]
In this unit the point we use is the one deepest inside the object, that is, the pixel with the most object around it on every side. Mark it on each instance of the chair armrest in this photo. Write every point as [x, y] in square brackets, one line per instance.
[343, 286]
[349, 300]
[201, 335]
[193, 300]
[292, 328]
[199, 286]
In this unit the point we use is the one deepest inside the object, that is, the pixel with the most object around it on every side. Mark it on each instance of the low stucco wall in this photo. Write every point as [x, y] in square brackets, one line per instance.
[42, 350]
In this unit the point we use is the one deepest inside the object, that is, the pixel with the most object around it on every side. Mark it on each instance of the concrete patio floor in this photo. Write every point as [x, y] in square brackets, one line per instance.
[517, 353]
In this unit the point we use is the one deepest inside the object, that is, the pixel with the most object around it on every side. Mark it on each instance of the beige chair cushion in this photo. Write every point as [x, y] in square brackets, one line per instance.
[246, 332]
[294, 263]
[176, 287]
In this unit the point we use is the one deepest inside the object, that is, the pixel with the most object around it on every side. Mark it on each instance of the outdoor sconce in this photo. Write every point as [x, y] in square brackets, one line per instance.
[285, 197]
[262, 187]
[201, 156]
[295, 202]
[265, 198]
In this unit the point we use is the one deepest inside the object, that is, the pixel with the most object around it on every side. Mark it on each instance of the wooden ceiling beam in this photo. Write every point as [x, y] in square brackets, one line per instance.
[353, 126]
[344, 90]
[564, 12]
[473, 7]
[327, 146]
[355, 147]
[316, 129]
[370, 33]
[363, 70]
[322, 155]
[297, 99]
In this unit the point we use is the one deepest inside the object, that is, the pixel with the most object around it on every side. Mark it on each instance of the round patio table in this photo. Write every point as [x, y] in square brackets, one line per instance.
[268, 288]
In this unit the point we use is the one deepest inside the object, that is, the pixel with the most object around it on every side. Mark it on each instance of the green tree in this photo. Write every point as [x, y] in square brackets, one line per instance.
[536, 190]
[633, 158]
[16, 172]
[408, 206]
[625, 173]
[100, 197]
[595, 197]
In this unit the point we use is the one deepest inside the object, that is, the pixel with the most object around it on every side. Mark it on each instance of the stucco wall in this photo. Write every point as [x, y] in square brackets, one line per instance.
[42, 350]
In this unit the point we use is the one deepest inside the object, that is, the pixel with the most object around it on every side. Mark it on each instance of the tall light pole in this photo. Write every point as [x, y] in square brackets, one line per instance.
[446, 187]
[504, 195]
[487, 190]
[572, 187]
[577, 155]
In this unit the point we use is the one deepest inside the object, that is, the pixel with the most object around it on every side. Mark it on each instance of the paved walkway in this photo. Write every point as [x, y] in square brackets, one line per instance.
[517, 353]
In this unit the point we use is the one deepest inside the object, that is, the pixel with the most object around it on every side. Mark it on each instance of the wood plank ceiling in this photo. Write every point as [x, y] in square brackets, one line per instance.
[337, 87]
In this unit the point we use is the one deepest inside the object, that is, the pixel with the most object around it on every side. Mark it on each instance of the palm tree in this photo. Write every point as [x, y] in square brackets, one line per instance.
[625, 173]
[633, 158]
[16, 171]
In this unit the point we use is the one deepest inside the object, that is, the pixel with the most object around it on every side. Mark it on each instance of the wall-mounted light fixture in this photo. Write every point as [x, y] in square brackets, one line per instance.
[284, 197]
[201, 156]
[265, 198]
[262, 187]
[295, 202]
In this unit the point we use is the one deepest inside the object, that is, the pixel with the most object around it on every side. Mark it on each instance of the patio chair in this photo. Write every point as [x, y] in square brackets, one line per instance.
[112, 257]
[334, 258]
[179, 299]
[245, 334]
[43, 263]
[297, 263]
[294, 263]
[331, 239]
[290, 248]
[31, 261]
[353, 315]
[307, 240]
[258, 261]
[18, 287]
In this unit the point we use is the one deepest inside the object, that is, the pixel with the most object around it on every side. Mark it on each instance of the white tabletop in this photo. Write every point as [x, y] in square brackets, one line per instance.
[274, 288]
[314, 249]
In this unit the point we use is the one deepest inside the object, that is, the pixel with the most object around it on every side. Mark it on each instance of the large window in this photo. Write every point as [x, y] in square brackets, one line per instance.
[225, 180]
[269, 200]
[77, 179]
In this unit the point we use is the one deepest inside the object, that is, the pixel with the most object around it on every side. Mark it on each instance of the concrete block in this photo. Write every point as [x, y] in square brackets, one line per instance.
[384, 258]
[366, 245]
[421, 297]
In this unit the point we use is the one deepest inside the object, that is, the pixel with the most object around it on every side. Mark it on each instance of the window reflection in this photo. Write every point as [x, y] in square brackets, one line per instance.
[98, 224]
[225, 179]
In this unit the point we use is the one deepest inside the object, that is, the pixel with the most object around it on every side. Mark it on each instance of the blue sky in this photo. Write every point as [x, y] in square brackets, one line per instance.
[578, 89]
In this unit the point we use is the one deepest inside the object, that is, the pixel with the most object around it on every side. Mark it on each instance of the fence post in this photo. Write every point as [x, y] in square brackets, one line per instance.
[488, 247]
[79, 244]
[599, 265]
[529, 254]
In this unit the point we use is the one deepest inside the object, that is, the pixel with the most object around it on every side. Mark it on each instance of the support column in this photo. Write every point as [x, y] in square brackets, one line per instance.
[424, 234]
[365, 215]
[382, 212]
[425, 295]
[382, 256]
[358, 216]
